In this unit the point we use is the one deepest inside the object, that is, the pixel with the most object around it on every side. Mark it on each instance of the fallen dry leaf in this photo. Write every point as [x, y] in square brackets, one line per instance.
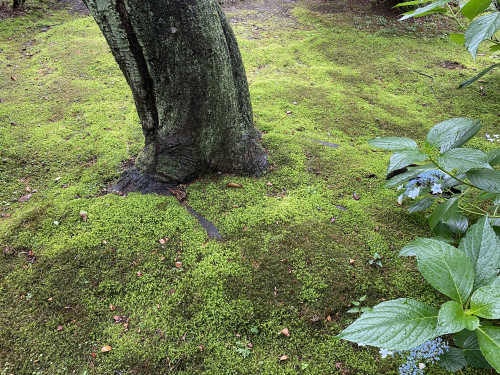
[57, 179]
[162, 241]
[178, 264]
[112, 307]
[284, 358]
[13, 78]
[105, 349]
[24, 198]
[285, 332]
[59, 328]
[84, 214]
[351, 261]
[356, 196]
[234, 185]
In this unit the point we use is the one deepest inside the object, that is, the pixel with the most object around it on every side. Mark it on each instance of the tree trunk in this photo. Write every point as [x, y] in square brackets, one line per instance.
[18, 3]
[182, 62]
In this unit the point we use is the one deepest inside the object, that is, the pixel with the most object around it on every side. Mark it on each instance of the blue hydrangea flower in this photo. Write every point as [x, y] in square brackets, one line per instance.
[416, 358]
[436, 189]
[415, 186]
[385, 352]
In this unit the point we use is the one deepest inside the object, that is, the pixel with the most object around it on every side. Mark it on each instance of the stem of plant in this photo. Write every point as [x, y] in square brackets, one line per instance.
[454, 16]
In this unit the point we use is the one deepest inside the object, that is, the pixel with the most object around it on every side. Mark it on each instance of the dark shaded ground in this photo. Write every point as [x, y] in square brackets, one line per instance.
[73, 6]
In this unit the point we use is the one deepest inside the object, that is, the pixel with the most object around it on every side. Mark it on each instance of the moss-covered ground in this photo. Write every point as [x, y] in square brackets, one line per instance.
[296, 243]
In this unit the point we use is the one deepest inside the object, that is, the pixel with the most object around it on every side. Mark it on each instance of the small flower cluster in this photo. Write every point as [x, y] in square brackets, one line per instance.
[493, 138]
[416, 358]
[425, 179]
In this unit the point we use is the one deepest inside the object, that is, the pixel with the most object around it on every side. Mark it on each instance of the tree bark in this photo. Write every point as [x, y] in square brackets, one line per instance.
[182, 62]
[18, 3]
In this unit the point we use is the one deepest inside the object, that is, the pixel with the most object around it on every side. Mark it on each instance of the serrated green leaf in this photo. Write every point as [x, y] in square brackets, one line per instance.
[432, 11]
[412, 173]
[403, 158]
[446, 268]
[493, 157]
[452, 319]
[485, 302]
[458, 224]
[443, 212]
[489, 343]
[393, 143]
[462, 160]
[425, 10]
[481, 245]
[477, 76]
[494, 48]
[453, 133]
[415, 2]
[421, 205]
[452, 360]
[458, 38]
[412, 248]
[485, 179]
[467, 340]
[400, 324]
[481, 29]
[474, 8]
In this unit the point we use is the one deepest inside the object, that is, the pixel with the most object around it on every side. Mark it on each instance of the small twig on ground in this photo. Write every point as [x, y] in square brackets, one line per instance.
[428, 76]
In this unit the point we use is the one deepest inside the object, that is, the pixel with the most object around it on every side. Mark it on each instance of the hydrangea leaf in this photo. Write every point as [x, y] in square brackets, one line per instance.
[444, 212]
[428, 9]
[458, 224]
[421, 205]
[485, 302]
[447, 269]
[458, 38]
[453, 133]
[403, 158]
[474, 8]
[452, 319]
[452, 360]
[462, 160]
[467, 340]
[393, 143]
[486, 179]
[481, 29]
[493, 156]
[489, 343]
[481, 245]
[412, 173]
[400, 324]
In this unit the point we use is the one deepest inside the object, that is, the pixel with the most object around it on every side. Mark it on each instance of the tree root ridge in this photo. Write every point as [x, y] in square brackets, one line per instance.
[132, 181]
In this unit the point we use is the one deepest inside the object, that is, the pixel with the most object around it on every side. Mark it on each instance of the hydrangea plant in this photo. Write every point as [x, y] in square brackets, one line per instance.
[463, 180]
[454, 181]
[469, 276]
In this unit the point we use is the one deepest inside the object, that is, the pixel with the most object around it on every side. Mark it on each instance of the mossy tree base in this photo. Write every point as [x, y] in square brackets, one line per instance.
[133, 181]
[182, 62]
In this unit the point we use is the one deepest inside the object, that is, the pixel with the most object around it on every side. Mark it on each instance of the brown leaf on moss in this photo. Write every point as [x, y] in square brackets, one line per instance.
[285, 332]
[105, 349]
[234, 185]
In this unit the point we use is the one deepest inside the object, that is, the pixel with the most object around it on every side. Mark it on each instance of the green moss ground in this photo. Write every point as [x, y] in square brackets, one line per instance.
[68, 123]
